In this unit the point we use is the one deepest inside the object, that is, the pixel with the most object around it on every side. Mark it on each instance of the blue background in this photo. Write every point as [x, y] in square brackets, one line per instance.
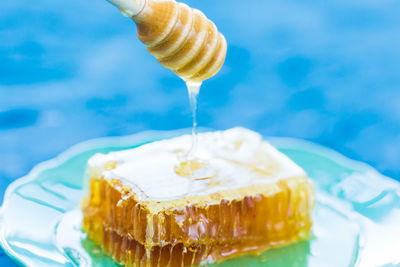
[325, 71]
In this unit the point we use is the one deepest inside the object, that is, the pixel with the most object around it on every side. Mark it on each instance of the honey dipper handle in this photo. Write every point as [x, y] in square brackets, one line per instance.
[130, 7]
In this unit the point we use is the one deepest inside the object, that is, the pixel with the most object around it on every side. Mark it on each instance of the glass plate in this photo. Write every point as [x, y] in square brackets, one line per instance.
[356, 220]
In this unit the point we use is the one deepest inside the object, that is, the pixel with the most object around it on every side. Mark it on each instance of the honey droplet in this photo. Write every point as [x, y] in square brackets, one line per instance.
[188, 167]
[195, 169]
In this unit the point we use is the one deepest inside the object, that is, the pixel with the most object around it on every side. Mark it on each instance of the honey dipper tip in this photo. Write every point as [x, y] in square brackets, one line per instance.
[181, 38]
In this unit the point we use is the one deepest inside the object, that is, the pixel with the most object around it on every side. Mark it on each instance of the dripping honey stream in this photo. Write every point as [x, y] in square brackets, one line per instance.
[190, 164]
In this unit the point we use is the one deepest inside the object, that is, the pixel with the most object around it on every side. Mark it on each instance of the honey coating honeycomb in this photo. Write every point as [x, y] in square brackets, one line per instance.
[136, 234]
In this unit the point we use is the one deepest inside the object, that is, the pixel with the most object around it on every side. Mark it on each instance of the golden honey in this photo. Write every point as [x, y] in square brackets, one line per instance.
[273, 209]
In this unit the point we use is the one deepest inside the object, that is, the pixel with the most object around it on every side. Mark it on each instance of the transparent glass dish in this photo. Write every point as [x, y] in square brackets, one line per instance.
[355, 221]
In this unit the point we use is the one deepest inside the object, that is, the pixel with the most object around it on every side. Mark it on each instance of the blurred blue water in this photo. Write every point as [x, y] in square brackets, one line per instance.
[325, 71]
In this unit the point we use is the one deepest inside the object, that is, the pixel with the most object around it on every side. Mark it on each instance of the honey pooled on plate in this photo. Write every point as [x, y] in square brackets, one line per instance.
[245, 198]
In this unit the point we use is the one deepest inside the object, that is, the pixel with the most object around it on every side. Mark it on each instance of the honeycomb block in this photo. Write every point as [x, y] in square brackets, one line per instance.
[137, 229]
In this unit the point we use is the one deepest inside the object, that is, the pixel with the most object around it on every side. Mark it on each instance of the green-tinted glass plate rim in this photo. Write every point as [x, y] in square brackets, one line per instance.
[281, 143]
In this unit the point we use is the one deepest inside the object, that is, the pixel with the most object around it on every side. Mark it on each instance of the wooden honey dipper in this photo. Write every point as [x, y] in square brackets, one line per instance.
[181, 38]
